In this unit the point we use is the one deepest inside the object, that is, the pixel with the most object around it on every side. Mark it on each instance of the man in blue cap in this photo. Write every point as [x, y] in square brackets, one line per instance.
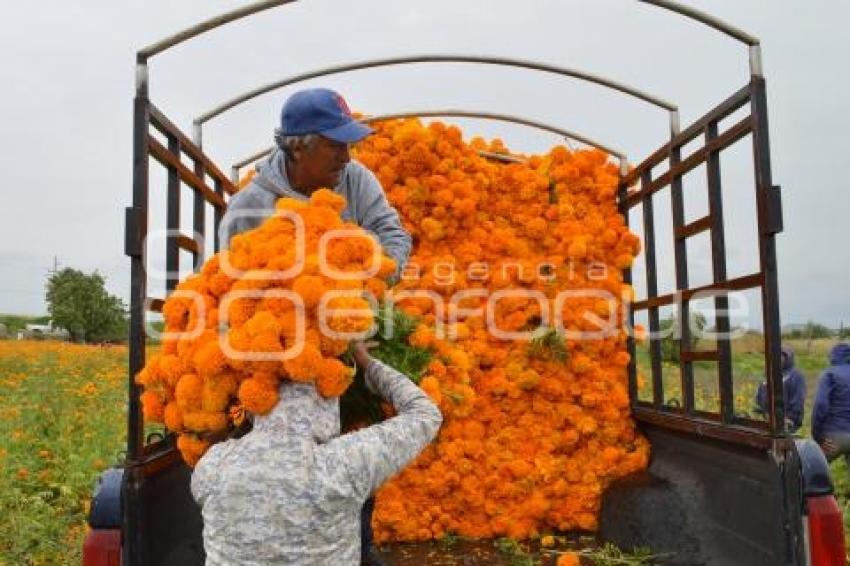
[313, 151]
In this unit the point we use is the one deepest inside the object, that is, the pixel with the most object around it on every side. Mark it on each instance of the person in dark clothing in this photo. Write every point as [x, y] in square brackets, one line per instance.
[831, 411]
[794, 389]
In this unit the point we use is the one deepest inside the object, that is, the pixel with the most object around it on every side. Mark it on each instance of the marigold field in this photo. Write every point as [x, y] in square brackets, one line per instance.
[62, 421]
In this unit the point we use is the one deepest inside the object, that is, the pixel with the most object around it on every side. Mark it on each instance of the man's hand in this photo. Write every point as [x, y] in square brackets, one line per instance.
[361, 355]
[829, 447]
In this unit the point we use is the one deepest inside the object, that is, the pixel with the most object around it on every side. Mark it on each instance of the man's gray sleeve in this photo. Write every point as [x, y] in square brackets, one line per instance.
[377, 215]
[372, 455]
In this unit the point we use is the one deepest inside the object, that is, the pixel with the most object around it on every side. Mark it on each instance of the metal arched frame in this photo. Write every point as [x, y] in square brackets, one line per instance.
[704, 18]
[454, 113]
[672, 108]
[146, 53]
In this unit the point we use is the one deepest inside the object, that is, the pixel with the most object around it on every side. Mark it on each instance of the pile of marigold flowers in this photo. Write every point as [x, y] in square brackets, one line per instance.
[511, 261]
[534, 430]
[199, 385]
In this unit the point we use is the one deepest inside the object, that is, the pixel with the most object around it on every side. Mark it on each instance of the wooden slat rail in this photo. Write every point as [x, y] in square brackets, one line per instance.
[700, 356]
[697, 158]
[164, 125]
[161, 154]
[738, 284]
[188, 244]
[155, 305]
[694, 228]
[721, 111]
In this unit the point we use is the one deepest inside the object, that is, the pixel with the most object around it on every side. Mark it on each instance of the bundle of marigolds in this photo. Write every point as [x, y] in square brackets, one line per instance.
[536, 429]
[261, 288]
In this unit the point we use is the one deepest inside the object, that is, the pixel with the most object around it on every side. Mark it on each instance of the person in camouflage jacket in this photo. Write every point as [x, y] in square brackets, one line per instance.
[291, 490]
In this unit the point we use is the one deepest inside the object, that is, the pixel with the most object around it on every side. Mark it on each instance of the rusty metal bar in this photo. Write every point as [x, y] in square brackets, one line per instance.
[199, 218]
[680, 250]
[707, 427]
[622, 193]
[770, 223]
[218, 214]
[718, 262]
[135, 236]
[172, 251]
[652, 292]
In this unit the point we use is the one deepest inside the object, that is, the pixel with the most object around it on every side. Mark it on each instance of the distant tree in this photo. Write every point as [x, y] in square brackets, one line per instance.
[672, 335]
[80, 304]
[815, 330]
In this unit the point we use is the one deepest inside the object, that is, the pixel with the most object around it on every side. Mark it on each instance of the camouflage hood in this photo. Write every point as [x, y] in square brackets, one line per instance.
[301, 412]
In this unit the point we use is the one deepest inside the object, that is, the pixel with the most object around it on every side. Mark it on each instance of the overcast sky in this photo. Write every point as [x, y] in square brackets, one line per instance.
[68, 76]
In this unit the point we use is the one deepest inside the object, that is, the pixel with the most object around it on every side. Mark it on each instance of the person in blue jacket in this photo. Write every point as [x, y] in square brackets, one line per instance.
[831, 411]
[794, 388]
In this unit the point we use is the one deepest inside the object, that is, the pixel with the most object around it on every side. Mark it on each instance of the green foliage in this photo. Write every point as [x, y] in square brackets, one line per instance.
[358, 405]
[672, 335]
[394, 328]
[80, 304]
[548, 344]
[14, 322]
[609, 555]
[812, 330]
[514, 553]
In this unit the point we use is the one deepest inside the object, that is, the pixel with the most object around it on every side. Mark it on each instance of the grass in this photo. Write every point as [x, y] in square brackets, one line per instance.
[62, 421]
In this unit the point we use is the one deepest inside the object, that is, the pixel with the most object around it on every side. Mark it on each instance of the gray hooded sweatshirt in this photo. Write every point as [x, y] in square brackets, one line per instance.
[367, 206]
[291, 490]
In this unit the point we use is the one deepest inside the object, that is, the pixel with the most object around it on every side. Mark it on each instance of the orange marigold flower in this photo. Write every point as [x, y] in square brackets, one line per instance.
[152, 407]
[329, 199]
[310, 288]
[173, 417]
[569, 559]
[191, 448]
[188, 392]
[257, 396]
[304, 366]
[334, 377]
[332, 348]
[217, 391]
[209, 359]
[431, 387]
[203, 421]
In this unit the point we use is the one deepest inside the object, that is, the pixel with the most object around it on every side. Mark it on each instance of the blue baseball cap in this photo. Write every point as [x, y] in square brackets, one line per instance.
[320, 111]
